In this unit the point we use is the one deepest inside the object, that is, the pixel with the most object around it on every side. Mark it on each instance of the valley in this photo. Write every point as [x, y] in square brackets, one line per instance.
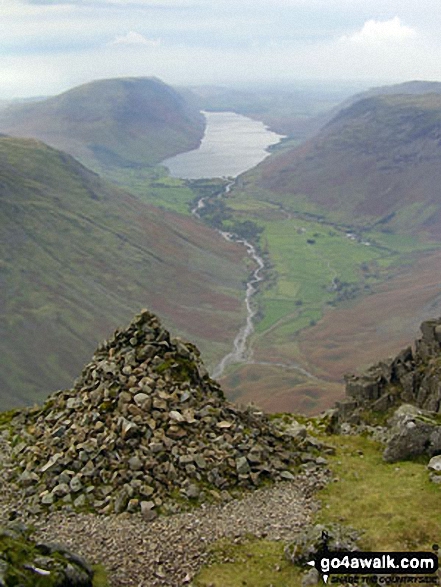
[334, 287]
[319, 279]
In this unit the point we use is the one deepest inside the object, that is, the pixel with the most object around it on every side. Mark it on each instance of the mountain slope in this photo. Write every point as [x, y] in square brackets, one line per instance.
[128, 122]
[80, 256]
[378, 161]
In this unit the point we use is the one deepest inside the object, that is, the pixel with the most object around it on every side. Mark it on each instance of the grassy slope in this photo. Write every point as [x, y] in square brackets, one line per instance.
[80, 257]
[376, 161]
[394, 506]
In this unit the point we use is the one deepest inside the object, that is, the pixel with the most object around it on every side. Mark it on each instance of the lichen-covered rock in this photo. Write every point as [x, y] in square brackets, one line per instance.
[144, 423]
[414, 432]
[26, 563]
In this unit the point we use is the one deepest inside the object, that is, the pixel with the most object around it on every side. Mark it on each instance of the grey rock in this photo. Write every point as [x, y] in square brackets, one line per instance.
[52, 462]
[192, 491]
[415, 432]
[80, 501]
[47, 499]
[435, 464]
[314, 538]
[140, 398]
[296, 430]
[135, 463]
[310, 578]
[242, 466]
[61, 490]
[287, 475]
[75, 484]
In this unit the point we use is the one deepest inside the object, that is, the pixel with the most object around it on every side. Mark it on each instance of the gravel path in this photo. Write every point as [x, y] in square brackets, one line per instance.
[169, 550]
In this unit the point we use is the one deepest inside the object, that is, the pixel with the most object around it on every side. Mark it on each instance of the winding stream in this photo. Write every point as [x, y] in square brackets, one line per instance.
[240, 353]
[232, 144]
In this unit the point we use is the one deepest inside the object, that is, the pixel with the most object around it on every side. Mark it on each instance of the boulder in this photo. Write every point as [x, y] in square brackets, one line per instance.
[318, 537]
[27, 563]
[414, 432]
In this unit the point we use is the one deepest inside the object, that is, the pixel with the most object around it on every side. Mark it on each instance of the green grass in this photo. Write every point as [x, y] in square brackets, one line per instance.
[100, 576]
[154, 186]
[394, 507]
[252, 563]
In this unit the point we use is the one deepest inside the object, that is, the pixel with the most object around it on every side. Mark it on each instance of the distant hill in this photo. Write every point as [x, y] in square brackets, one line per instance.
[127, 122]
[80, 256]
[295, 110]
[377, 162]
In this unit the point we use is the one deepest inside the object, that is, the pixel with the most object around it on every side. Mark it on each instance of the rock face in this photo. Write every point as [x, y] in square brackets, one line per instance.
[413, 377]
[144, 429]
[409, 387]
[27, 563]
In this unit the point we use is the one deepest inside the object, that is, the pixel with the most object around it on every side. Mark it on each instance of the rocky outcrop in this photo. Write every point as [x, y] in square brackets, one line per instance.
[401, 397]
[413, 377]
[27, 563]
[146, 430]
[315, 539]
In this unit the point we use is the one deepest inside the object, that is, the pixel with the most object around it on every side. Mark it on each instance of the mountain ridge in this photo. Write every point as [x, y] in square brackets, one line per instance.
[120, 122]
[377, 161]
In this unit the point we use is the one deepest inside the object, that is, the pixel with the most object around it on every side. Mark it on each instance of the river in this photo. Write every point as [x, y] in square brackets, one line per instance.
[231, 145]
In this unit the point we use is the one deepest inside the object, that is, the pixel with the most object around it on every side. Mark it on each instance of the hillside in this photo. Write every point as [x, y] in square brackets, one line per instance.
[125, 123]
[295, 110]
[80, 257]
[376, 163]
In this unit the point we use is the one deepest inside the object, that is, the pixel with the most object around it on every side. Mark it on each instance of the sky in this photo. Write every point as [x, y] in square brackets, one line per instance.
[49, 46]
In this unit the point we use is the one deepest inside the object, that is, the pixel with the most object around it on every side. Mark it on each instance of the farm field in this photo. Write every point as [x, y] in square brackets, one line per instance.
[332, 301]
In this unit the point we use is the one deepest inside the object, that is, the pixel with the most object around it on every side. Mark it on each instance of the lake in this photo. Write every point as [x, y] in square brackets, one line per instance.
[232, 144]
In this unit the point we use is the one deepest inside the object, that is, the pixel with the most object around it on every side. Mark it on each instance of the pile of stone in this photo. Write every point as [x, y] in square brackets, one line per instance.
[144, 429]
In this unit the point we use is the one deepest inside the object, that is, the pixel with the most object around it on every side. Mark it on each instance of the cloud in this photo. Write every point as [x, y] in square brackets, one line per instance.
[375, 32]
[134, 38]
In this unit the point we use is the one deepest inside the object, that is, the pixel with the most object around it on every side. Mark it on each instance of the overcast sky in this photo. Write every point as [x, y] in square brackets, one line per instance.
[47, 46]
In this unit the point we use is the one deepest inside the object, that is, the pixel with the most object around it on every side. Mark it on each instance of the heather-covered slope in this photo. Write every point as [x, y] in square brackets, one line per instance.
[123, 123]
[376, 163]
[80, 257]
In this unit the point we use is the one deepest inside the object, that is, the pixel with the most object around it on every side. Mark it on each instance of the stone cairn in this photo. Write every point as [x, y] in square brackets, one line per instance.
[146, 430]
